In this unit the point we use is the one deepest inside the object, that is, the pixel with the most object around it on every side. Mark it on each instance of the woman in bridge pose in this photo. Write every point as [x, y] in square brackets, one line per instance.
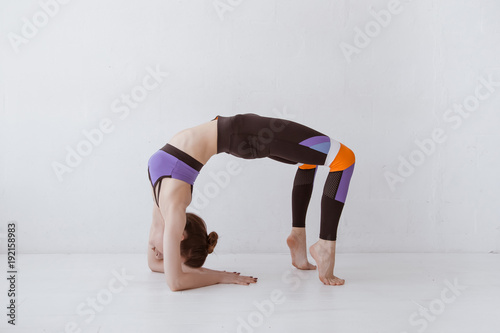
[178, 241]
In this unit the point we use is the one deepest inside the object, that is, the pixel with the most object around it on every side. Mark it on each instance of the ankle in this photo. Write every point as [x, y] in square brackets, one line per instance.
[326, 244]
[298, 231]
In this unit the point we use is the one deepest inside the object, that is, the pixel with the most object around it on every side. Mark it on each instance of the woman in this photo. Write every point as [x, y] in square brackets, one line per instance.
[178, 241]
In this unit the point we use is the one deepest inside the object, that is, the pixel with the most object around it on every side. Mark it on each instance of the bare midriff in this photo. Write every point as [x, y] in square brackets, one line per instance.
[200, 141]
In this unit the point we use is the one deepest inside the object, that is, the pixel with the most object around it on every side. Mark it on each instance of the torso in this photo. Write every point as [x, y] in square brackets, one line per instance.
[200, 141]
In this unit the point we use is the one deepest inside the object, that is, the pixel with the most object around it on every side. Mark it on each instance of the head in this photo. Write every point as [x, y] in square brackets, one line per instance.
[197, 244]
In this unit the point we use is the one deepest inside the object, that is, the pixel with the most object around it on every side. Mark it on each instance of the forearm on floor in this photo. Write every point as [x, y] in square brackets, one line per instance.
[191, 280]
[199, 269]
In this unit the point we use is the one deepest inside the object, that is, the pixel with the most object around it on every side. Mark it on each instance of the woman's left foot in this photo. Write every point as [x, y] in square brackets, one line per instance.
[298, 249]
[323, 253]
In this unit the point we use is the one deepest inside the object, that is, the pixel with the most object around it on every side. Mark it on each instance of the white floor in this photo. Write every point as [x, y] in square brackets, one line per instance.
[383, 293]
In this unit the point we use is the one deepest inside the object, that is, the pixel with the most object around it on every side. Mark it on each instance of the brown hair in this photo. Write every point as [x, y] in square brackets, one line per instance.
[196, 246]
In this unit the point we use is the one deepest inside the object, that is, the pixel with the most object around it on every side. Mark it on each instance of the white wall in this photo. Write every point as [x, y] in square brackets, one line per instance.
[266, 57]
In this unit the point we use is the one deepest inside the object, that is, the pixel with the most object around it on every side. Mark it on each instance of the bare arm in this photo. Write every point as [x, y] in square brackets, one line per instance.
[175, 198]
[156, 265]
[203, 270]
[177, 279]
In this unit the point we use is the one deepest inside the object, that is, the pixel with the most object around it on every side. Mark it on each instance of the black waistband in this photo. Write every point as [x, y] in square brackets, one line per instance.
[224, 132]
[184, 157]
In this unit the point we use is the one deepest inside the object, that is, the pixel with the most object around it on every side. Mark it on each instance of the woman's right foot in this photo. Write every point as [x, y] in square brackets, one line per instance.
[298, 249]
[323, 252]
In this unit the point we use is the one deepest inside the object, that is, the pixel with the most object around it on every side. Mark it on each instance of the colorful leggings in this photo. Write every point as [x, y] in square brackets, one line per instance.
[251, 136]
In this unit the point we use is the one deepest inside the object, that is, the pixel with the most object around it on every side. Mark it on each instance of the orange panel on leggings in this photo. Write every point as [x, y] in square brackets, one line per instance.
[344, 159]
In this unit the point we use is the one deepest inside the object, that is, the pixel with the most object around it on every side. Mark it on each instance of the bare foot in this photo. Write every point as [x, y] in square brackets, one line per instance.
[323, 252]
[298, 249]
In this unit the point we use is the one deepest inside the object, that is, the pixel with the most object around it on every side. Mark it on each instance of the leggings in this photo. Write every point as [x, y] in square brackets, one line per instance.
[252, 136]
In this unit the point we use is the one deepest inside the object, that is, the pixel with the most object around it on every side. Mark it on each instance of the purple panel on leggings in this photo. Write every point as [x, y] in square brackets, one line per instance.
[315, 140]
[163, 164]
[344, 184]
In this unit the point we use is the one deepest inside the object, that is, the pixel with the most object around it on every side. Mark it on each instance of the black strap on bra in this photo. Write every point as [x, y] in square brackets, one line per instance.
[186, 158]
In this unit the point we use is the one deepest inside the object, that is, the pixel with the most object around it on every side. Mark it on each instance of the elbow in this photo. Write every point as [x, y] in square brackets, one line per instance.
[174, 289]
[174, 285]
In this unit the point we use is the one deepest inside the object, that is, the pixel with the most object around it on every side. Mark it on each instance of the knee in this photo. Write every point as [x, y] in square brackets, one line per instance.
[343, 160]
[350, 154]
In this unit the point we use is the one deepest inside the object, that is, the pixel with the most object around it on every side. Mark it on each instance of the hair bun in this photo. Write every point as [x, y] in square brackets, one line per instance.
[212, 241]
